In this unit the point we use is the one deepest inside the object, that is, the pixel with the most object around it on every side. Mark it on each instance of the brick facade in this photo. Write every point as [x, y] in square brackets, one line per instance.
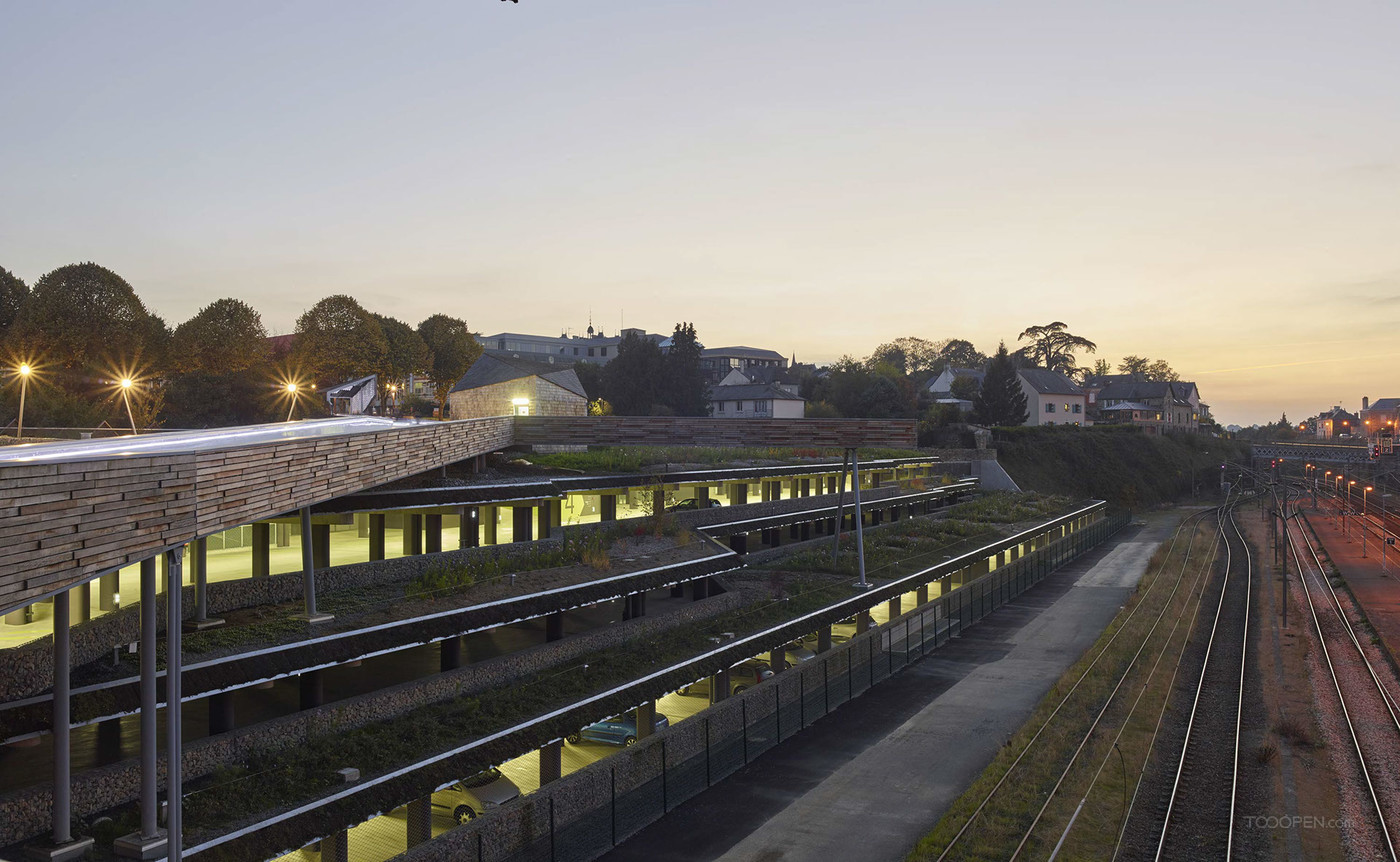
[546, 399]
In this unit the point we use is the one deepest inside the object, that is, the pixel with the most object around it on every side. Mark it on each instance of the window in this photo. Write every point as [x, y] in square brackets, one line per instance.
[590, 351]
[760, 407]
[738, 407]
[605, 350]
[1066, 408]
[719, 406]
[501, 344]
[1049, 408]
[576, 351]
[1078, 408]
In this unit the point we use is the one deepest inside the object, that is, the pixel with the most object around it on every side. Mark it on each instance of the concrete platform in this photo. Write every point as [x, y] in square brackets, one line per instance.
[873, 777]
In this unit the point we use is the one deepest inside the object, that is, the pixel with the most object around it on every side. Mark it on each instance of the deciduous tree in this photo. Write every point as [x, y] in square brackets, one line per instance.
[13, 293]
[1001, 400]
[454, 349]
[684, 386]
[408, 354]
[337, 340]
[225, 336]
[632, 380]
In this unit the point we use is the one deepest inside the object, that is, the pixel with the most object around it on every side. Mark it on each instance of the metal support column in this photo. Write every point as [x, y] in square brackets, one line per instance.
[308, 573]
[149, 842]
[174, 709]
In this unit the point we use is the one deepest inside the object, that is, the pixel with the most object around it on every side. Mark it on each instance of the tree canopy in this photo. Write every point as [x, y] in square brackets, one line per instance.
[1001, 401]
[1146, 369]
[1052, 346]
[226, 335]
[86, 317]
[684, 385]
[337, 340]
[453, 349]
[13, 293]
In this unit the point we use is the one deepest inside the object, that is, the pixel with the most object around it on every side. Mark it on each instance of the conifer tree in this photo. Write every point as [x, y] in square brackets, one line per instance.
[1001, 401]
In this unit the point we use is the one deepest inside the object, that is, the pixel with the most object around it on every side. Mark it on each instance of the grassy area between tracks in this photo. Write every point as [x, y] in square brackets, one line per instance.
[999, 828]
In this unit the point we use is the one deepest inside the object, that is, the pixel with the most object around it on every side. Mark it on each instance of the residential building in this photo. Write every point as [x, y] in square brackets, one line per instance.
[1052, 398]
[717, 362]
[593, 346]
[1378, 417]
[1157, 406]
[355, 397]
[942, 385]
[1337, 423]
[738, 398]
[505, 386]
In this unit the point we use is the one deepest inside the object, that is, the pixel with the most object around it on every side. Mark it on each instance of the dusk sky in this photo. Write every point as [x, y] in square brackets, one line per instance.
[1214, 184]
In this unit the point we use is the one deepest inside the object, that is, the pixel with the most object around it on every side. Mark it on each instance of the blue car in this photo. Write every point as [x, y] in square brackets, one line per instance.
[618, 730]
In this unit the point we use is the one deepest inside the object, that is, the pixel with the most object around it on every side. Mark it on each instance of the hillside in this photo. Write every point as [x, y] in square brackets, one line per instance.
[1123, 466]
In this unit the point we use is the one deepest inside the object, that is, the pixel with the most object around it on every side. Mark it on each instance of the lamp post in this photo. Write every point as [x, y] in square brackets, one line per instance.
[126, 384]
[23, 371]
[291, 390]
[1365, 524]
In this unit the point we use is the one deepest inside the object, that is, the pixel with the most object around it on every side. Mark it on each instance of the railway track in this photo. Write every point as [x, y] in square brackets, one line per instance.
[1366, 693]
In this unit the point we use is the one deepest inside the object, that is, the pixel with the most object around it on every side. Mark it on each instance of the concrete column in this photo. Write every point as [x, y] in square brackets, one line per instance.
[469, 531]
[739, 543]
[520, 523]
[607, 507]
[831, 484]
[699, 589]
[551, 762]
[412, 534]
[824, 639]
[658, 499]
[221, 718]
[420, 820]
[262, 549]
[777, 659]
[149, 841]
[81, 600]
[804, 530]
[923, 595]
[719, 686]
[639, 604]
[738, 494]
[107, 587]
[554, 626]
[795, 531]
[862, 621]
[543, 519]
[321, 545]
[308, 573]
[678, 591]
[896, 606]
[804, 487]
[702, 493]
[449, 654]
[433, 528]
[313, 689]
[376, 535]
[489, 517]
[645, 716]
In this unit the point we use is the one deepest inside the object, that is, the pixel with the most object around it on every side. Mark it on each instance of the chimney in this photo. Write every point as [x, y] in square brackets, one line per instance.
[1365, 403]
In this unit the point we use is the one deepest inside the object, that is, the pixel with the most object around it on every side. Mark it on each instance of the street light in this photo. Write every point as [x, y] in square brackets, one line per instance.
[23, 371]
[1365, 523]
[291, 390]
[126, 384]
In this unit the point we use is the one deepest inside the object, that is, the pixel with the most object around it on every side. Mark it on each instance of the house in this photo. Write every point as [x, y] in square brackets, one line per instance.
[1162, 405]
[942, 385]
[1337, 423]
[717, 362]
[738, 398]
[355, 397]
[1380, 417]
[1052, 398]
[504, 386]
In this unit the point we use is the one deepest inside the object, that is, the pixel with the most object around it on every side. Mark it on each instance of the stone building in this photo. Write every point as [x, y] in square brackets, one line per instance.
[506, 386]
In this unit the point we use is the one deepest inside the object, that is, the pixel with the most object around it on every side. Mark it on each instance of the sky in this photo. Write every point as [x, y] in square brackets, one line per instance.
[1216, 184]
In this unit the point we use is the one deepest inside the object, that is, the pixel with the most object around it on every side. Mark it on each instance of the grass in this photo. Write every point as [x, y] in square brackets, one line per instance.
[1008, 814]
[634, 459]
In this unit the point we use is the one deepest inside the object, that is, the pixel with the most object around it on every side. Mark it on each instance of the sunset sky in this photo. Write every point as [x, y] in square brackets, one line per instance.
[1214, 184]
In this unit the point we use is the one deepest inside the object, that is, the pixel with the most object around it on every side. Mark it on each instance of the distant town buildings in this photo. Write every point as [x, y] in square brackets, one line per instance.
[1155, 406]
[505, 386]
[737, 397]
[1052, 398]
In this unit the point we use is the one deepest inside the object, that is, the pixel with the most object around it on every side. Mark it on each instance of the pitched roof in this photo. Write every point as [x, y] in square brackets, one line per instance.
[1127, 405]
[1141, 390]
[742, 352]
[752, 391]
[1049, 382]
[494, 368]
[351, 388]
[1385, 404]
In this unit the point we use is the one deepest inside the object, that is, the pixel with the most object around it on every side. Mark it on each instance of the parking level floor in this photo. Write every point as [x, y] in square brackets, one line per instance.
[872, 778]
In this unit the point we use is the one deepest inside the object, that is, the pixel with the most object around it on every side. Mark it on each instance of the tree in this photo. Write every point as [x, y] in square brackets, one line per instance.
[454, 349]
[859, 392]
[337, 340]
[408, 354]
[13, 293]
[1052, 347]
[960, 353]
[684, 386]
[909, 355]
[1001, 400]
[225, 336]
[1146, 369]
[86, 318]
[1101, 368]
[965, 387]
[632, 381]
[1134, 365]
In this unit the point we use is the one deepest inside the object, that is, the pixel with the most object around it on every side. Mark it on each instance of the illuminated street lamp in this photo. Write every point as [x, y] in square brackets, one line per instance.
[23, 371]
[126, 384]
[1365, 524]
[291, 390]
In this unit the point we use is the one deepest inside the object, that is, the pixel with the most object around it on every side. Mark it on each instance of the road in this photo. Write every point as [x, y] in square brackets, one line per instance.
[868, 781]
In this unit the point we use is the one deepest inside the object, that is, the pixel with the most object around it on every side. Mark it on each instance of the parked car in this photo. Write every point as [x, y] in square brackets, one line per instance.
[693, 503]
[476, 795]
[618, 730]
[742, 676]
[797, 652]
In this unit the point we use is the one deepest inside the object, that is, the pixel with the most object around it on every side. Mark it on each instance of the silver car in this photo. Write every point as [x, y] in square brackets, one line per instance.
[476, 795]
